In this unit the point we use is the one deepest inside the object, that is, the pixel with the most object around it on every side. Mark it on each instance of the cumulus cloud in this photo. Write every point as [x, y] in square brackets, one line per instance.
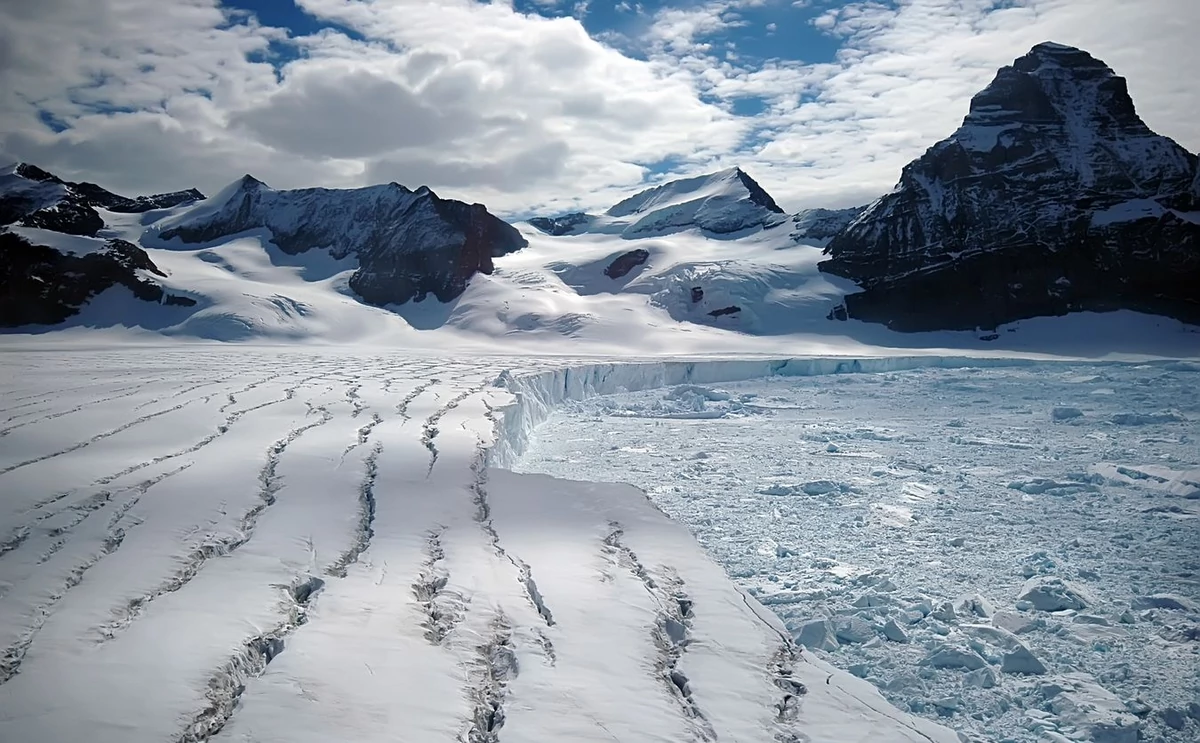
[527, 113]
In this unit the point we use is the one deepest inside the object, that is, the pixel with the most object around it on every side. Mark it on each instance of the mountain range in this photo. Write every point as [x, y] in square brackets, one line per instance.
[1052, 197]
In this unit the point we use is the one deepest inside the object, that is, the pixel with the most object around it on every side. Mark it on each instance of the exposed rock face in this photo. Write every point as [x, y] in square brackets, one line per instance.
[811, 225]
[722, 203]
[41, 285]
[115, 203]
[72, 215]
[564, 225]
[408, 243]
[625, 263]
[1052, 197]
[32, 197]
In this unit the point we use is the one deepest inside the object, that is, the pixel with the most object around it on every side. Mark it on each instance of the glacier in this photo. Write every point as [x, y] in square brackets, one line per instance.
[210, 544]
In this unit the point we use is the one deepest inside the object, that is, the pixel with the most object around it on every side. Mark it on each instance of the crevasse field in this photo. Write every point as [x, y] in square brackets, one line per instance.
[1012, 550]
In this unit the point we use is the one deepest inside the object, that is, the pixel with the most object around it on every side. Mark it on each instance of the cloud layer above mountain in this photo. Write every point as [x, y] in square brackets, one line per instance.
[532, 113]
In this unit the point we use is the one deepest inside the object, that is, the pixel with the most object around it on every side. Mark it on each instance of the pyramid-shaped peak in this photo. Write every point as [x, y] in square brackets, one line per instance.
[732, 172]
[758, 194]
[248, 182]
[730, 182]
[1052, 83]
[1051, 168]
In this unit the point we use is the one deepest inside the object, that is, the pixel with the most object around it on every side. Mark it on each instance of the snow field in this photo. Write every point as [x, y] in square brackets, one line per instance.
[1010, 550]
[204, 544]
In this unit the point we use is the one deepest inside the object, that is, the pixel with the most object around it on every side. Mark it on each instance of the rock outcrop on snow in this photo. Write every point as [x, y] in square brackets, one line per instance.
[1052, 197]
[40, 285]
[722, 203]
[32, 197]
[626, 262]
[408, 244]
[563, 225]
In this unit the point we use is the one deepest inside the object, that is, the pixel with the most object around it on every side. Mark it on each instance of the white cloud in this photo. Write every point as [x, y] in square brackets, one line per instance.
[682, 30]
[519, 112]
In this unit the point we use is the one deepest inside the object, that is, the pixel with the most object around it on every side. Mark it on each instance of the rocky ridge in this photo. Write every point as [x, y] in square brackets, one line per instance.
[810, 225]
[32, 197]
[408, 244]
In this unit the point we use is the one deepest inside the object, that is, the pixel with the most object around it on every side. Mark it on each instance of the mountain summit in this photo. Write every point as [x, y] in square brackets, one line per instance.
[1053, 196]
[721, 203]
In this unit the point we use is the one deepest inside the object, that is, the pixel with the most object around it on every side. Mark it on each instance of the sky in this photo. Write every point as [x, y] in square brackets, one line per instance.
[542, 106]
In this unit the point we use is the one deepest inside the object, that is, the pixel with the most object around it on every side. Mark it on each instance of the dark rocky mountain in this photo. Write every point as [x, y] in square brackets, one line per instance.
[43, 286]
[32, 197]
[563, 225]
[408, 243]
[813, 225]
[1052, 197]
[722, 204]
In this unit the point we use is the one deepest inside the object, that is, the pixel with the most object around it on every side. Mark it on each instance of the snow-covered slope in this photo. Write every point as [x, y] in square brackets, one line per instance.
[1052, 197]
[763, 285]
[721, 203]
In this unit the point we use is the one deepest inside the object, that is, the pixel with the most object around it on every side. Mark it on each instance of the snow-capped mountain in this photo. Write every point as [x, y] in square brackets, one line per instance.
[55, 257]
[407, 243]
[32, 197]
[721, 203]
[1052, 197]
